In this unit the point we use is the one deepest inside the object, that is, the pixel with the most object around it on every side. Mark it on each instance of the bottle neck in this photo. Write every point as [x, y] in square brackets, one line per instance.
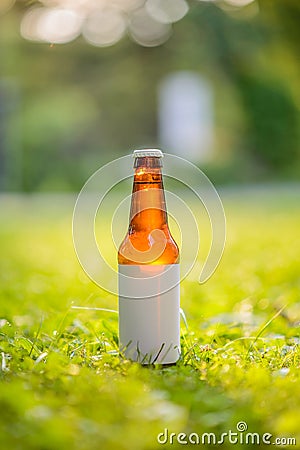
[148, 205]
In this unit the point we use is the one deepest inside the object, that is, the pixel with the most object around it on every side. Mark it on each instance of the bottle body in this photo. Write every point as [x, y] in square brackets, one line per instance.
[148, 262]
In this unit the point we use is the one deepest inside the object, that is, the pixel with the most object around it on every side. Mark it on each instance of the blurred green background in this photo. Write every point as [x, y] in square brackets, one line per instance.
[79, 85]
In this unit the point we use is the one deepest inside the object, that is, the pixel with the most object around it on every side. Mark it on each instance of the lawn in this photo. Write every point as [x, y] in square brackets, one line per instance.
[63, 384]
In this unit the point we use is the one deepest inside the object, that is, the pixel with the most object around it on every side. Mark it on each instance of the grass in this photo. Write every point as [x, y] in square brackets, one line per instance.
[63, 384]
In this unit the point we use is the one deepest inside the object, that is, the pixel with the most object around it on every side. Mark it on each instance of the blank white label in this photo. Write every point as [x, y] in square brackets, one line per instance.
[149, 313]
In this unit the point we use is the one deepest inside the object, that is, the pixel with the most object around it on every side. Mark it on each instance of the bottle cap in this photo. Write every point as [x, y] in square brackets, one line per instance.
[142, 153]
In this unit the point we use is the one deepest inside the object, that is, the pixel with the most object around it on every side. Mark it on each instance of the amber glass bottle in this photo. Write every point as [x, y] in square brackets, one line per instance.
[148, 261]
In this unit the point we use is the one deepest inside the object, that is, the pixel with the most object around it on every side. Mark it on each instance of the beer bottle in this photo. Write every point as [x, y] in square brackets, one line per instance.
[148, 263]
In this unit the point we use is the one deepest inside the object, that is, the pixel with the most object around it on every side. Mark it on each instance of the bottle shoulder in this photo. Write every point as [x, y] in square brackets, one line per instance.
[143, 247]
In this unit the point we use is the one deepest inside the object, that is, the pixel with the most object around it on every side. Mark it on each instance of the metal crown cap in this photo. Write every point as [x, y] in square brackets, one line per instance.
[142, 153]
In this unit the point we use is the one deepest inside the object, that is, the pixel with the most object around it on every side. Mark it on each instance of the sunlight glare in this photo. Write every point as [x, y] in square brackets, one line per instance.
[167, 11]
[146, 31]
[104, 27]
[54, 25]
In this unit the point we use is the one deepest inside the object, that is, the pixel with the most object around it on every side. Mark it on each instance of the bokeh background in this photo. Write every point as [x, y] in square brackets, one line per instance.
[81, 83]
[84, 82]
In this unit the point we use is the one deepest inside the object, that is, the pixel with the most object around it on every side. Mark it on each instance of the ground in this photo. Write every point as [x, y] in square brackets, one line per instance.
[63, 383]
